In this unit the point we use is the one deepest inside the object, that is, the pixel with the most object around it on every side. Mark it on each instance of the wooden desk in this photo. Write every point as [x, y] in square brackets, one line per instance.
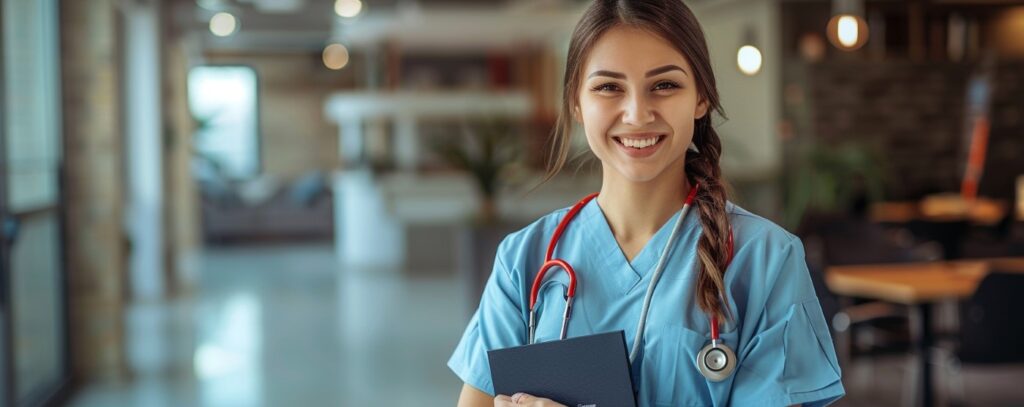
[918, 285]
[914, 283]
[941, 208]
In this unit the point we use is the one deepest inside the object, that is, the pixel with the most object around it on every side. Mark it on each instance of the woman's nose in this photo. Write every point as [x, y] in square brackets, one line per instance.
[637, 111]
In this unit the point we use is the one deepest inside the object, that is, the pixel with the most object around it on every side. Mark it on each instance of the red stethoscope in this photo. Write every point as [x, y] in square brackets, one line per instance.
[716, 361]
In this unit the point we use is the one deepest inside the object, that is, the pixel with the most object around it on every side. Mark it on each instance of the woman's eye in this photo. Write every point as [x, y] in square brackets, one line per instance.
[611, 87]
[607, 87]
[666, 85]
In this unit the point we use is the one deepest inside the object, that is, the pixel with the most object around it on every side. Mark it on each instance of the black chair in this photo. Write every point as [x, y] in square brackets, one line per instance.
[990, 331]
[950, 234]
[1015, 237]
[863, 329]
[1003, 240]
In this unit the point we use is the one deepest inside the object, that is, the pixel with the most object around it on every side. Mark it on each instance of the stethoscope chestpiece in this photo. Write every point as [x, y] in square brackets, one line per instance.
[716, 361]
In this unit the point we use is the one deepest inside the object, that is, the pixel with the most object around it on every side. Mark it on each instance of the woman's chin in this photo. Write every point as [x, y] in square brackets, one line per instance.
[638, 174]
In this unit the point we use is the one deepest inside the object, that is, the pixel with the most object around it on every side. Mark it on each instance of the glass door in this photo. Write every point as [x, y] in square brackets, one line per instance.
[33, 304]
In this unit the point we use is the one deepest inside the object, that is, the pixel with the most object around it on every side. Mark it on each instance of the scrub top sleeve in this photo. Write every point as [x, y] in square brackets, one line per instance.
[497, 323]
[790, 359]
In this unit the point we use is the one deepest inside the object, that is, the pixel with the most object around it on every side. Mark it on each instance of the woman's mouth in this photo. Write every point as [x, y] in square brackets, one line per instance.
[639, 146]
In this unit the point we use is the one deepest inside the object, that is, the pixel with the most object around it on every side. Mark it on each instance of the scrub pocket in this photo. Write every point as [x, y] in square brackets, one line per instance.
[671, 377]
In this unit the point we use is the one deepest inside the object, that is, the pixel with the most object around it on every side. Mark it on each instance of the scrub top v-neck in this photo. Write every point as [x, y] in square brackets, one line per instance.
[784, 349]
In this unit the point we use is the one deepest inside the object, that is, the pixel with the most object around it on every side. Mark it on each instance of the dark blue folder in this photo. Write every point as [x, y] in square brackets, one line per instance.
[588, 370]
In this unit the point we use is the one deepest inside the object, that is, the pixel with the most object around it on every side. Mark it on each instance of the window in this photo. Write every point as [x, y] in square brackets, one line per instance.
[32, 104]
[223, 101]
[32, 269]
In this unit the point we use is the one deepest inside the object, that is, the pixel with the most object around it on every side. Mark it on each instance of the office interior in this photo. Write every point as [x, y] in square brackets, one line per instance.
[297, 202]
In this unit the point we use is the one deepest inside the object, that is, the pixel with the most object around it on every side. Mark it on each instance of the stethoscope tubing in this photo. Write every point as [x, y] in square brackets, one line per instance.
[549, 263]
[642, 323]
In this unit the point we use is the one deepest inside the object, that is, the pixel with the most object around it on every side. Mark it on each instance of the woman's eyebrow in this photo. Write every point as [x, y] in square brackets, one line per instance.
[663, 69]
[655, 71]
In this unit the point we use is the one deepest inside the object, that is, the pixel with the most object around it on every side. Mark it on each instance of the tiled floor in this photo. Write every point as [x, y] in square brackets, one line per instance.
[883, 382]
[285, 326]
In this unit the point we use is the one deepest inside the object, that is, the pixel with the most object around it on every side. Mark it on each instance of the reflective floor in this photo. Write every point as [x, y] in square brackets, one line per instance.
[285, 326]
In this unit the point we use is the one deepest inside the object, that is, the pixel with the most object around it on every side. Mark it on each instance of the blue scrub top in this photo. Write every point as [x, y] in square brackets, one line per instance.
[779, 334]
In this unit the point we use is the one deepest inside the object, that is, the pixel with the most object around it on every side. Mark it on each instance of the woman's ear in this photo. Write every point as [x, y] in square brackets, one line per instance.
[577, 115]
[701, 110]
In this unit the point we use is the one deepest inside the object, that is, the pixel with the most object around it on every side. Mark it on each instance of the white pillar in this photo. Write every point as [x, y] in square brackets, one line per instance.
[366, 234]
[352, 143]
[143, 138]
[407, 146]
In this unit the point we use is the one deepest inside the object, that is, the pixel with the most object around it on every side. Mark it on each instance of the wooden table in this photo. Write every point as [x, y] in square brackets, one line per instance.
[941, 208]
[918, 285]
[943, 218]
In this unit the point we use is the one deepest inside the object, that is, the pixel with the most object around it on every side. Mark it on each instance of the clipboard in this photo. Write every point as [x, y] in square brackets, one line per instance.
[585, 371]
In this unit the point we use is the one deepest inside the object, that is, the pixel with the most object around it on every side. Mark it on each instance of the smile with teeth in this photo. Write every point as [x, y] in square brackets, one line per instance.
[639, 143]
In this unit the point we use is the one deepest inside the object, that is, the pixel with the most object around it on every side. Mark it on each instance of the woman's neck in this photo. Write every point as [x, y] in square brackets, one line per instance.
[637, 210]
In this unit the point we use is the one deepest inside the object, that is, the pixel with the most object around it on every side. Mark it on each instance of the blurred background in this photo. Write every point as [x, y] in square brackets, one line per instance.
[296, 202]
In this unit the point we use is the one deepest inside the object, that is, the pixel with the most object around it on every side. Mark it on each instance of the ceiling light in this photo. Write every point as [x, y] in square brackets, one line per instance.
[335, 56]
[223, 24]
[348, 8]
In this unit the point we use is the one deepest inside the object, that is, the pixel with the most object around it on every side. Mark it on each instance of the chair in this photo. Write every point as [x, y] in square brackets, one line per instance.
[863, 329]
[990, 331]
[990, 321]
[950, 234]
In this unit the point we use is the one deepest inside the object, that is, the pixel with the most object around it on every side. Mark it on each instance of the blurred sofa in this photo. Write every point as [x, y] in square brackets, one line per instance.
[267, 208]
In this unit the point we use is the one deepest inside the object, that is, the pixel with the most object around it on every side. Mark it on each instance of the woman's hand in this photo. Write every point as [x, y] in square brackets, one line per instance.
[523, 399]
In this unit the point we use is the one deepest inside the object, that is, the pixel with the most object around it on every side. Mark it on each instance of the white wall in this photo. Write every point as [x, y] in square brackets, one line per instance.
[750, 142]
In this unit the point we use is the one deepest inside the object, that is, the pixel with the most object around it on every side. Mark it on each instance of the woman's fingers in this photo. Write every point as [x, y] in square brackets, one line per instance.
[522, 399]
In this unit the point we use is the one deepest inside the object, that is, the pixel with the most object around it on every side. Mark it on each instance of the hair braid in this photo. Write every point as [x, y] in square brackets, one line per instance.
[712, 249]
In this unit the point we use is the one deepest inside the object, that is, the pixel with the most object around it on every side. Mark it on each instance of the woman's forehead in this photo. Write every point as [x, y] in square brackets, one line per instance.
[632, 51]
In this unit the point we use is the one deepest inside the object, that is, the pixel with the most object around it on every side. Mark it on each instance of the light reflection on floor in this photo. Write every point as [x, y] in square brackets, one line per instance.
[284, 326]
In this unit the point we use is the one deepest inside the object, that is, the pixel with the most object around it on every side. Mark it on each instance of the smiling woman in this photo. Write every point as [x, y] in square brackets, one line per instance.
[638, 79]
[622, 98]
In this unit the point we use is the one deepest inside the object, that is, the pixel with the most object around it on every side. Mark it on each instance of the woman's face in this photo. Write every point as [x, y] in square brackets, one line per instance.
[637, 103]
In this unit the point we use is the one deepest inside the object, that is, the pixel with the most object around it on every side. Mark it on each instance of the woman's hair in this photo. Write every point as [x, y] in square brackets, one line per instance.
[673, 21]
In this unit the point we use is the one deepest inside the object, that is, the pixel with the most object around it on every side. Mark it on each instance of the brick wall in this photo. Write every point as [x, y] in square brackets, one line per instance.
[913, 114]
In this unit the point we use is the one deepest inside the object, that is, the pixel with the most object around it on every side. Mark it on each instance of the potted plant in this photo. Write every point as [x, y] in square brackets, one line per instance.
[487, 149]
[832, 179]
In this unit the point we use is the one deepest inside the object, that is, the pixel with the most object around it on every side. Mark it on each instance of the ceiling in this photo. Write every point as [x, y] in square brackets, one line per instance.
[300, 25]
[308, 25]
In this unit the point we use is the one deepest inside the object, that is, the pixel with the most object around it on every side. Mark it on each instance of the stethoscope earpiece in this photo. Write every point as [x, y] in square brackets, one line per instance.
[716, 361]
